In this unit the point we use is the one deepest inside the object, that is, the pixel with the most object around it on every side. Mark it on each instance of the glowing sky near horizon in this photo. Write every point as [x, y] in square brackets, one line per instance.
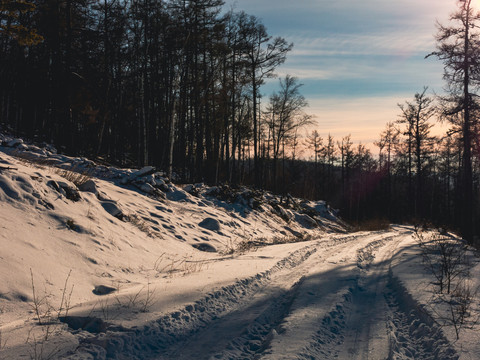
[356, 59]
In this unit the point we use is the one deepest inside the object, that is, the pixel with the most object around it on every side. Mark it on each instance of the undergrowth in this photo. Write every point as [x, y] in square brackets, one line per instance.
[375, 224]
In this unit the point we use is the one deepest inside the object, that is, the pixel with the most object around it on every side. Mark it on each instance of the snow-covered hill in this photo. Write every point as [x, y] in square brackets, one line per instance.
[99, 262]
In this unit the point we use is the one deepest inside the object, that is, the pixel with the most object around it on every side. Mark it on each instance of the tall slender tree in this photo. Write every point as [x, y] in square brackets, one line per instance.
[263, 56]
[458, 49]
[416, 116]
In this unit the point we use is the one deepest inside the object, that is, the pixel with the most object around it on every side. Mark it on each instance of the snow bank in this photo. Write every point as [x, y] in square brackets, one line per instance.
[69, 227]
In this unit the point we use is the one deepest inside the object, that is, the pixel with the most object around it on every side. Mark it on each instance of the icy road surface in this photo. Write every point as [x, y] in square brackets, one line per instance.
[331, 298]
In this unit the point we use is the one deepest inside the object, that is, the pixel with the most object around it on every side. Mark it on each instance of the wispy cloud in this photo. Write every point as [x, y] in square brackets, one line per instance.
[357, 59]
[405, 43]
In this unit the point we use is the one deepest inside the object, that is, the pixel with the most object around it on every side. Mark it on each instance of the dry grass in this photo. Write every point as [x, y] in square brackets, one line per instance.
[76, 177]
[142, 225]
[3, 342]
[30, 160]
[169, 266]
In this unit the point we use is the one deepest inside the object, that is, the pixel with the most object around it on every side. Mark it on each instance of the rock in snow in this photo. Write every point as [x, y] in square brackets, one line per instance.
[112, 208]
[147, 170]
[89, 186]
[205, 247]
[210, 224]
[14, 142]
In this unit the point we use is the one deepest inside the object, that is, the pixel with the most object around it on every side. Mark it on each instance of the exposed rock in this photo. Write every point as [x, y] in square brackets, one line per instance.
[306, 221]
[150, 179]
[14, 142]
[89, 186]
[71, 191]
[204, 247]
[112, 208]
[159, 182]
[210, 224]
[294, 232]
[176, 195]
[164, 188]
[103, 290]
[37, 150]
[54, 185]
[147, 188]
[286, 215]
[147, 170]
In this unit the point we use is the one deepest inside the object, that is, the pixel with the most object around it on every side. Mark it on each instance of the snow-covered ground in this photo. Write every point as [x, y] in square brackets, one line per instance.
[130, 266]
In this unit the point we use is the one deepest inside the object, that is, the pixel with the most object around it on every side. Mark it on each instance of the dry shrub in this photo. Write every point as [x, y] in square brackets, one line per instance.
[375, 224]
[76, 177]
[47, 316]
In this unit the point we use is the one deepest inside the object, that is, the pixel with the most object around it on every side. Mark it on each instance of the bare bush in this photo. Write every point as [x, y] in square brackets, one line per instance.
[45, 311]
[40, 347]
[156, 265]
[445, 257]
[106, 309]
[458, 308]
[192, 266]
[460, 304]
[142, 300]
[47, 316]
[246, 245]
[183, 266]
[149, 299]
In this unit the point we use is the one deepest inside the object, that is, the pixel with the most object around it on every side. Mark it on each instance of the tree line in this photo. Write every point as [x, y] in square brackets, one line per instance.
[419, 177]
[177, 84]
[171, 83]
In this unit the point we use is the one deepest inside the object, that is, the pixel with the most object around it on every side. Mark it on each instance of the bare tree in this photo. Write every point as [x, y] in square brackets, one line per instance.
[314, 142]
[285, 115]
[263, 56]
[458, 49]
[416, 116]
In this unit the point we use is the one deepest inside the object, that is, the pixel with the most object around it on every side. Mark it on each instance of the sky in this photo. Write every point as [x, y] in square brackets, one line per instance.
[357, 59]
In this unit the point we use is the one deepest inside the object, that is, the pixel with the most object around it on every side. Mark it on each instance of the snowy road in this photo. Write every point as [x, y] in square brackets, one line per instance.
[332, 298]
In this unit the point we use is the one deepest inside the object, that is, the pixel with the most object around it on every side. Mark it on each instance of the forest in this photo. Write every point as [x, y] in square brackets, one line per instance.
[176, 84]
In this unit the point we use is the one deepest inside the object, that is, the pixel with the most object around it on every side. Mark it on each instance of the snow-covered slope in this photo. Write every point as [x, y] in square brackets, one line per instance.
[122, 229]
[98, 262]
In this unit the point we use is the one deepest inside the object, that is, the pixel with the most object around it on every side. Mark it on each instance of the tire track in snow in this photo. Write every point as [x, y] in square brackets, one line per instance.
[260, 317]
[345, 330]
[413, 333]
[257, 337]
[168, 333]
[313, 294]
[377, 319]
